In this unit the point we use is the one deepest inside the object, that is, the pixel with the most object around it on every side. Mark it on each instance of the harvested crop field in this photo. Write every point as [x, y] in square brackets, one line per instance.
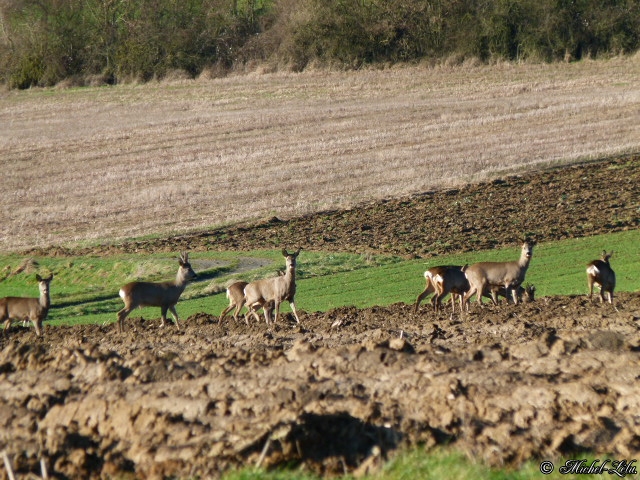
[84, 165]
[347, 388]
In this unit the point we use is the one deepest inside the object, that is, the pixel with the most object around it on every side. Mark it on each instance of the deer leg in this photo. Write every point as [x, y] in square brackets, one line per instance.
[236, 312]
[468, 295]
[437, 303]
[427, 290]
[514, 294]
[478, 292]
[174, 314]
[163, 315]
[37, 324]
[494, 297]
[252, 311]
[277, 309]
[225, 311]
[293, 308]
[122, 314]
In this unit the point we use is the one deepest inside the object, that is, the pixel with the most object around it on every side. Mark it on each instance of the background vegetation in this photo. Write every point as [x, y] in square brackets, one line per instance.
[44, 42]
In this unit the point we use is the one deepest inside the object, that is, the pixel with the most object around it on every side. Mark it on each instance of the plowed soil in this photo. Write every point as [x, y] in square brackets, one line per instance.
[347, 388]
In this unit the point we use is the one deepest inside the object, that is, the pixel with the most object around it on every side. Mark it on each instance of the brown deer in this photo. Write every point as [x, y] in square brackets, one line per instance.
[235, 294]
[21, 308]
[525, 294]
[276, 289]
[600, 273]
[484, 276]
[441, 281]
[164, 294]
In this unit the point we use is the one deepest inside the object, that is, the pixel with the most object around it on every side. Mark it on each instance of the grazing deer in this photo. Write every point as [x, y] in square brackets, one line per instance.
[164, 294]
[34, 309]
[276, 289]
[441, 281]
[484, 276]
[600, 273]
[524, 294]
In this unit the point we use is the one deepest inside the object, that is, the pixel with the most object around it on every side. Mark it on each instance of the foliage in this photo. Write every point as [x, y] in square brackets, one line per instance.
[42, 43]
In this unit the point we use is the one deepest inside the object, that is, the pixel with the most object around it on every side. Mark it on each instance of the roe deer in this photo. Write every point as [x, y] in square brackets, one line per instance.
[164, 294]
[441, 281]
[235, 294]
[277, 289]
[524, 294]
[600, 273]
[21, 308]
[484, 276]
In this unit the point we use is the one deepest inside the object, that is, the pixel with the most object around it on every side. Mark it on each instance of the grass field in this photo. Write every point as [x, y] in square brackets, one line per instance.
[101, 164]
[438, 464]
[85, 288]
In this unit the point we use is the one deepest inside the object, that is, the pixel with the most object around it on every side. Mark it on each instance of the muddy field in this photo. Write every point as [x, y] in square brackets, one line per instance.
[347, 388]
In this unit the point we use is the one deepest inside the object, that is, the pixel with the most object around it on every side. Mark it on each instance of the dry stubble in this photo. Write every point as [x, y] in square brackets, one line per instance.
[109, 163]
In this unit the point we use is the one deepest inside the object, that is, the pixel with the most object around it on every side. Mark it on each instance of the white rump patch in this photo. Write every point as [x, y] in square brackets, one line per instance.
[592, 270]
[121, 293]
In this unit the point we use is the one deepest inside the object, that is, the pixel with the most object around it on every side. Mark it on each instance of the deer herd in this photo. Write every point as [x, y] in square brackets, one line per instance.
[483, 279]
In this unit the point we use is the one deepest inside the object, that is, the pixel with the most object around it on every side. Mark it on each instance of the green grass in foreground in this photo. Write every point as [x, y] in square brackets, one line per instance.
[437, 464]
[85, 289]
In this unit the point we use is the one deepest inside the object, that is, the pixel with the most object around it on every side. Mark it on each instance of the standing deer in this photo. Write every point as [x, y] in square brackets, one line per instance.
[164, 294]
[276, 290]
[484, 276]
[600, 273]
[34, 309]
[235, 294]
[441, 281]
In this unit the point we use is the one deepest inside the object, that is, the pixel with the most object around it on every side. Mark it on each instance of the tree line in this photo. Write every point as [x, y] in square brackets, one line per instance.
[45, 41]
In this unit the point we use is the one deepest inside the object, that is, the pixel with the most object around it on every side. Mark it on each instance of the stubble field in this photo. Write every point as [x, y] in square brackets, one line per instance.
[110, 163]
[504, 384]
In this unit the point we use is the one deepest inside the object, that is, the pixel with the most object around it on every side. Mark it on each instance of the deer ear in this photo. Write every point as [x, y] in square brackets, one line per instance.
[284, 252]
[297, 252]
[38, 277]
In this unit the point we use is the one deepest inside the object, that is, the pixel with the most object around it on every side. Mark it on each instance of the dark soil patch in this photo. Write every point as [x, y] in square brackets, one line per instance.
[550, 205]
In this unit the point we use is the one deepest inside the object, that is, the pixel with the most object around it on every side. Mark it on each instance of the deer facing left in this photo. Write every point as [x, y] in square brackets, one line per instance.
[164, 294]
[34, 309]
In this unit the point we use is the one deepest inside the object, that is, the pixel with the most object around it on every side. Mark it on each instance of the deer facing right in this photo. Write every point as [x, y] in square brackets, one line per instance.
[600, 273]
[484, 276]
[34, 309]
[164, 294]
